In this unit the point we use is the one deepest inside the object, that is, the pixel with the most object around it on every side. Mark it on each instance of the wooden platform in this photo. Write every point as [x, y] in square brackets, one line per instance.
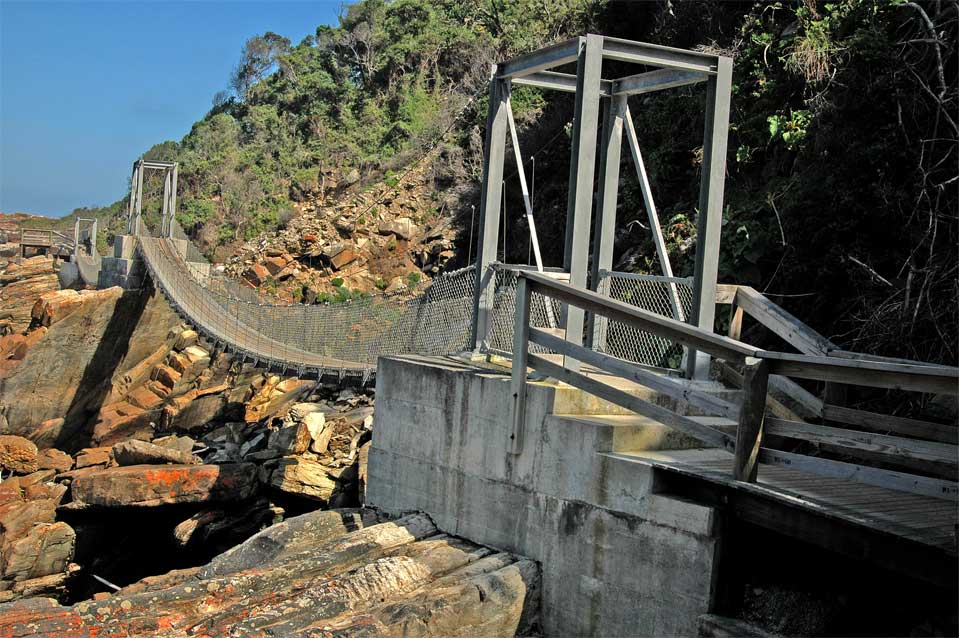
[930, 521]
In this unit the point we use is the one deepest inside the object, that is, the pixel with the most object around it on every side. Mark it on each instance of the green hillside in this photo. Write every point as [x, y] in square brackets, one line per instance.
[841, 189]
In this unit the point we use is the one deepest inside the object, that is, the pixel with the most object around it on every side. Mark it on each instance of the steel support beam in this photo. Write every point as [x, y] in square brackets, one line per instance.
[157, 165]
[164, 211]
[652, 215]
[563, 82]
[548, 57]
[604, 231]
[658, 80]
[659, 56]
[133, 196]
[582, 170]
[710, 218]
[175, 176]
[490, 200]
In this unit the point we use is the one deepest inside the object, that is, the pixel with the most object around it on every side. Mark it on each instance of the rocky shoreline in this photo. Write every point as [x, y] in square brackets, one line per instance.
[168, 438]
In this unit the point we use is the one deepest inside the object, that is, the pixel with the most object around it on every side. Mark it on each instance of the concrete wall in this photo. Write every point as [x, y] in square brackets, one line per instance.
[124, 268]
[617, 559]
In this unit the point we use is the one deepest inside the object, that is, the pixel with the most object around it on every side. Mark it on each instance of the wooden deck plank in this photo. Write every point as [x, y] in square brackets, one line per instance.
[926, 520]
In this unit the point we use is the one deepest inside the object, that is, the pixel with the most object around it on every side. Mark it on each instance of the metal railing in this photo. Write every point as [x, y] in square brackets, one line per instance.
[647, 292]
[748, 415]
[342, 339]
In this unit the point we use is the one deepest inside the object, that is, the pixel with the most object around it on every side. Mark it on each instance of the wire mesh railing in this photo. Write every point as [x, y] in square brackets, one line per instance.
[428, 319]
[649, 292]
[345, 338]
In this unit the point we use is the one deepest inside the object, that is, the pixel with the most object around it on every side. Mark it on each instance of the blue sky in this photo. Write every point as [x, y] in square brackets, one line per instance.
[86, 87]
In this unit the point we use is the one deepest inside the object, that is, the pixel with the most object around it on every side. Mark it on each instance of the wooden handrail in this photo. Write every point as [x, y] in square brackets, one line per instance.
[716, 345]
[759, 366]
[856, 372]
[776, 318]
[897, 376]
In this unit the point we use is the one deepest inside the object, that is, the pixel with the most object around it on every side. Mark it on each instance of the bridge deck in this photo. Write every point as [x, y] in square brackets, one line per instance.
[204, 311]
[926, 520]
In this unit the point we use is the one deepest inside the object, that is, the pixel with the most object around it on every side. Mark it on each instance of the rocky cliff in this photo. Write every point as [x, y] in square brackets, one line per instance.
[113, 410]
[386, 238]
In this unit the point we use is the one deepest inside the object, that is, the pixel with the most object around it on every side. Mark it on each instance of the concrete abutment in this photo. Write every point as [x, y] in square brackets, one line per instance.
[617, 558]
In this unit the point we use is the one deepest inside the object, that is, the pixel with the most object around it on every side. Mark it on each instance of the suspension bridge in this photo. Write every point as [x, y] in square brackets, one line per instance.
[878, 487]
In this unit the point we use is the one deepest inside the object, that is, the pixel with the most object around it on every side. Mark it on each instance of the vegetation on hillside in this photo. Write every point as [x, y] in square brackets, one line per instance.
[841, 191]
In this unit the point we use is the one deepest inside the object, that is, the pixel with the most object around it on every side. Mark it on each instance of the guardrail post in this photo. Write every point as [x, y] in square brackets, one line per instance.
[735, 321]
[520, 351]
[749, 434]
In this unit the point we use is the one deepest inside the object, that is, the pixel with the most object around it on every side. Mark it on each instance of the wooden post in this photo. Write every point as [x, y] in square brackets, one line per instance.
[749, 434]
[735, 321]
[520, 356]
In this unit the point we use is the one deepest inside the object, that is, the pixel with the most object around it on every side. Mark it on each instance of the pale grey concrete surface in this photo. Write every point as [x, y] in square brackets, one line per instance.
[124, 268]
[617, 559]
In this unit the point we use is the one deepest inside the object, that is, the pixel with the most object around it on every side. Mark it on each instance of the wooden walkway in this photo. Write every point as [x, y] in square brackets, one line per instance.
[932, 522]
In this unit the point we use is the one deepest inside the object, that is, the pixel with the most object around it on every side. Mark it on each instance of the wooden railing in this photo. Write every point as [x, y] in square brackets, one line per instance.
[758, 366]
[36, 237]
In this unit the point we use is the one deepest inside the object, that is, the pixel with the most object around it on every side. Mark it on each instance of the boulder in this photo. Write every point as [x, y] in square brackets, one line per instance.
[256, 275]
[36, 478]
[54, 459]
[300, 410]
[10, 491]
[193, 410]
[320, 432]
[402, 227]
[343, 258]
[166, 376]
[52, 491]
[290, 439]
[18, 517]
[185, 339]
[89, 457]
[144, 453]
[275, 264]
[17, 454]
[302, 477]
[180, 443]
[273, 396]
[48, 433]
[121, 421]
[335, 573]
[142, 397]
[150, 486]
[17, 296]
[42, 551]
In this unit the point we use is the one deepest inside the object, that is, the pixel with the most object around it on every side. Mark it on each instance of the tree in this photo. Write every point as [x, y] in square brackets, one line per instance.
[260, 54]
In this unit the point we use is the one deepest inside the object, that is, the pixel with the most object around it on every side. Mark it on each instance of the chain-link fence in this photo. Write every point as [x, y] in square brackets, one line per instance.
[667, 296]
[670, 297]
